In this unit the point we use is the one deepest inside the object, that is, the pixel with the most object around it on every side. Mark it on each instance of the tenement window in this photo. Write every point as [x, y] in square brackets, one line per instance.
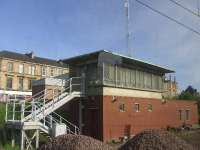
[10, 67]
[31, 70]
[30, 81]
[43, 70]
[52, 72]
[21, 68]
[122, 107]
[21, 83]
[60, 71]
[9, 82]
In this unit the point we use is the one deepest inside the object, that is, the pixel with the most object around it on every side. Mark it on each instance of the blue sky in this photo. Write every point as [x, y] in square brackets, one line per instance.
[63, 28]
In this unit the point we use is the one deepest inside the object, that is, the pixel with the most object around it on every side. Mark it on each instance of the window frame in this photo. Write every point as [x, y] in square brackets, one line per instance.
[21, 84]
[149, 110]
[31, 70]
[9, 87]
[122, 107]
[21, 68]
[187, 115]
[10, 66]
[43, 71]
[137, 109]
[180, 115]
[52, 72]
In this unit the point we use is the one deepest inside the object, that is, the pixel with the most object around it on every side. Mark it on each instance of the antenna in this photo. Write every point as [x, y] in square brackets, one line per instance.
[127, 7]
[198, 7]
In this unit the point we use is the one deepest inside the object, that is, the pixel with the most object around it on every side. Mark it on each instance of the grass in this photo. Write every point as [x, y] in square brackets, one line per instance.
[9, 147]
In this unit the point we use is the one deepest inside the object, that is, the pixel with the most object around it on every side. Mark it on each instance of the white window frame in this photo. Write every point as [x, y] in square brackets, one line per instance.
[43, 70]
[52, 71]
[10, 67]
[31, 70]
[60, 71]
[189, 115]
[21, 68]
[137, 110]
[122, 109]
[150, 110]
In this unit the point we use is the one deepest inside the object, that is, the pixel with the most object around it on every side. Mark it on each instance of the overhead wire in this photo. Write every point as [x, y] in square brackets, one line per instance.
[168, 17]
[185, 8]
[198, 7]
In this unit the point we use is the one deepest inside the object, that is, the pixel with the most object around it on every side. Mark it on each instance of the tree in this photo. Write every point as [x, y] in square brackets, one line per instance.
[189, 94]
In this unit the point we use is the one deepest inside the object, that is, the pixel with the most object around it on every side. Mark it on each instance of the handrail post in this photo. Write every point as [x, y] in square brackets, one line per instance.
[60, 119]
[53, 93]
[33, 109]
[44, 105]
[51, 121]
[22, 110]
[70, 85]
[6, 116]
[14, 110]
[82, 84]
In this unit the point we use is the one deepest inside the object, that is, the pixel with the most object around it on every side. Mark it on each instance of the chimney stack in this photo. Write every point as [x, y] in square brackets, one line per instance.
[30, 54]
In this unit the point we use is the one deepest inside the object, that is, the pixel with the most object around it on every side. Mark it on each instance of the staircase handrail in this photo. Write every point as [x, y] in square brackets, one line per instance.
[61, 119]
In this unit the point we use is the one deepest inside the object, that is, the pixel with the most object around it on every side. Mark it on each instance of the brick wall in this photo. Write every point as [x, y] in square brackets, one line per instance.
[118, 124]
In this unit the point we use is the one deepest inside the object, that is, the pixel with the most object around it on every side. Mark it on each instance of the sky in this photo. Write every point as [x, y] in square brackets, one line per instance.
[60, 29]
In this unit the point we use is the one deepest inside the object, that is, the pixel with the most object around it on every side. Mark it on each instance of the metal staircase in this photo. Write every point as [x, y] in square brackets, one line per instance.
[38, 113]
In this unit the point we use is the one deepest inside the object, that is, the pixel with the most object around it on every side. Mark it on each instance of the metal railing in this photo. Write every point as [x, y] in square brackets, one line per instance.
[21, 111]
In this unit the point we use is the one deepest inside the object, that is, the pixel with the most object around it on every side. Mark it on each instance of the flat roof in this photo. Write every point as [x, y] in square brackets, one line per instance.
[130, 59]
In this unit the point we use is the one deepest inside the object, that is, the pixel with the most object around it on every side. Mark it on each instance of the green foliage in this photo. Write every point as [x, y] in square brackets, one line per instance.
[2, 115]
[189, 94]
[4, 132]
[8, 147]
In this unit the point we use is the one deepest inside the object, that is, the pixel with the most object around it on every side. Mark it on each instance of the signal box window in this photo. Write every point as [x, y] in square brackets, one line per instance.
[149, 107]
[137, 107]
[122, 107]
[187, 114]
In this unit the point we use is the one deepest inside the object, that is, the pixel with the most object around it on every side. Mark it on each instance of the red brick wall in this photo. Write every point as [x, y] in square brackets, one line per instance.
[117, 124]
[91, 115]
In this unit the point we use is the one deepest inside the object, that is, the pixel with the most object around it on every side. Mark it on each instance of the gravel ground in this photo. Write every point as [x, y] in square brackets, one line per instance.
[74, 142]
[156, 140]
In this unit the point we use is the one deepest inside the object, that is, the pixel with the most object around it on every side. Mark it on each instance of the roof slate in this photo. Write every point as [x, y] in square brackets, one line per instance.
[26, 58]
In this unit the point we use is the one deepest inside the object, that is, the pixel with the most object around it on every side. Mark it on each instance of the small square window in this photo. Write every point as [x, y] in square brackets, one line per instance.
[122, 107]
[149, 107]
[137, 107]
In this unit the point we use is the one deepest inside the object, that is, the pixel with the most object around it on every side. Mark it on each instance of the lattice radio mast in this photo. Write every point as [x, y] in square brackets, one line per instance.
[128, 34]
[198, 7]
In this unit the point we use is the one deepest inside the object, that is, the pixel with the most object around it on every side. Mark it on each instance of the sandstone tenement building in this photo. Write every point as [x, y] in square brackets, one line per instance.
[17, 71]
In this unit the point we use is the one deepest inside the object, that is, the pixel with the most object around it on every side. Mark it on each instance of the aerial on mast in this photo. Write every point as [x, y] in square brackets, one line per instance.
[198, 7]
[127, 9]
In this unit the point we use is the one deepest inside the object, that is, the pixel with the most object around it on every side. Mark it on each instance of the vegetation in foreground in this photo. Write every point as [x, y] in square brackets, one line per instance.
[4, 133]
